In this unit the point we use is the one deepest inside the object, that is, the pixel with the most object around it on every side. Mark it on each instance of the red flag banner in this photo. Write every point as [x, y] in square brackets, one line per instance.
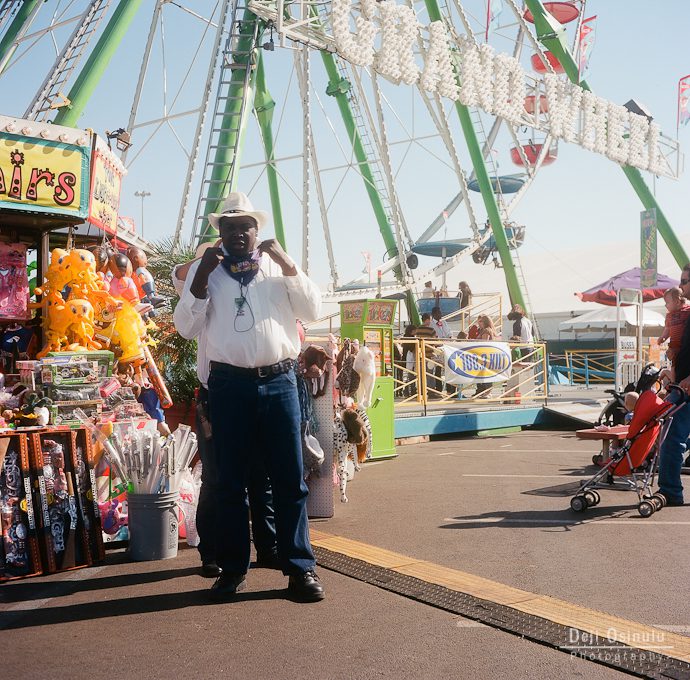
[587, 36]
[493, 10]
[683, 96]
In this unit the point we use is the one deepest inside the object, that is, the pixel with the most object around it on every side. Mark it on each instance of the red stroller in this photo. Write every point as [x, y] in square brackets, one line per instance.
[635, 462]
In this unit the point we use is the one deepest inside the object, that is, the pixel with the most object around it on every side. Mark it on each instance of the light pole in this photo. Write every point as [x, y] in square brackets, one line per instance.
[142, 194]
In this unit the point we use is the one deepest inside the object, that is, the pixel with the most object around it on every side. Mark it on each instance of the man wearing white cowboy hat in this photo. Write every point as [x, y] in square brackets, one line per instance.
[247, 308]
[258, 486]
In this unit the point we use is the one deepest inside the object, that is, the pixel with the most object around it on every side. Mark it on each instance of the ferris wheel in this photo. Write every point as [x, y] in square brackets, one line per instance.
[354, 159]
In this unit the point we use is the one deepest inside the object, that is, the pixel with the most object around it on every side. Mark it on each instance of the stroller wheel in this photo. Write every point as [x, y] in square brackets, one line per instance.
[590, 498]
[661, 499]
[656, 502]
[597, 497]
[646, 509]
[578, 503]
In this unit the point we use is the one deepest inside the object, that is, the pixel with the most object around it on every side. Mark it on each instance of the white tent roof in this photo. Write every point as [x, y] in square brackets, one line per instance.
[604, 319]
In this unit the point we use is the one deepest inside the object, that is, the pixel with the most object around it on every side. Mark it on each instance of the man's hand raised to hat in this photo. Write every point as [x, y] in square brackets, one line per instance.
[275, 251]
[209, 261]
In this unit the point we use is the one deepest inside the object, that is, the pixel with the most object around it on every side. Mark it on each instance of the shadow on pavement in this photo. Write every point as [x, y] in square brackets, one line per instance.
[18, 592]
[144, 604]
[552, 519]
[557, 491]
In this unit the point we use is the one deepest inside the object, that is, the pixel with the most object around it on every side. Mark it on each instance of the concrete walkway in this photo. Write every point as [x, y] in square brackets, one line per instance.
[493, 507]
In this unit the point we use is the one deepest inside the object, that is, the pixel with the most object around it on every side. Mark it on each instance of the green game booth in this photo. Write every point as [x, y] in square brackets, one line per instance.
[371, 322]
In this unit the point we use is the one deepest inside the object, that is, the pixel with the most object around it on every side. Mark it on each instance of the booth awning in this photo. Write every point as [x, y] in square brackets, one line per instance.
[603, 320]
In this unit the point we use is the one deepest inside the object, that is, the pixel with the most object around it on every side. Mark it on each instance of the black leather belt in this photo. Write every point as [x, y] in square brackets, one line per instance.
[261, 372]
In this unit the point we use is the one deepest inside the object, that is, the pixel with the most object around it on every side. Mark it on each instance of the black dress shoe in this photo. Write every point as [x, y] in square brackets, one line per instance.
[267, 561]
[306, 587]
[227, 586]
[210, 570]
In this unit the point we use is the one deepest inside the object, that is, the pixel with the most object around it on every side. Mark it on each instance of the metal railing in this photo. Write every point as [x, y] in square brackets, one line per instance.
[489, 304]
[584, 367]
[419, 376]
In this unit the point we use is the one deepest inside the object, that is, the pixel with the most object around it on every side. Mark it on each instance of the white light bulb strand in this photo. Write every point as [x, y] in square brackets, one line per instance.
[439, 75]
[359, 50]
[408, 29]
[616, 142]
[638, 150]
[387, 60]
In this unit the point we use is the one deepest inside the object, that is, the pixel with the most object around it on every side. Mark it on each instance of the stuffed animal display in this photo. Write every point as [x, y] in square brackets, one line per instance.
[80, 313]
[365, 366]
[347, 379]
[351, 439]
[315, 364]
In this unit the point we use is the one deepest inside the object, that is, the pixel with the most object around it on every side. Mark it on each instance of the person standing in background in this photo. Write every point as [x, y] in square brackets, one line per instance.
[522, 327]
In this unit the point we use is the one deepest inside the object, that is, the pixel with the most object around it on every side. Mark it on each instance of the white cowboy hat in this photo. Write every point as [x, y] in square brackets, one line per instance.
[237, 204]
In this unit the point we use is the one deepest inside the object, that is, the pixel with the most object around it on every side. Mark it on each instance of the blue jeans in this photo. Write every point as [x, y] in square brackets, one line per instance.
[672, 451]
[258, 419]
[260, 497]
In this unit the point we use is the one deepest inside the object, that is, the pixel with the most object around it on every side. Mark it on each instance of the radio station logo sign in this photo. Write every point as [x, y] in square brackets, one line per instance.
[477, 362]
[43, 176]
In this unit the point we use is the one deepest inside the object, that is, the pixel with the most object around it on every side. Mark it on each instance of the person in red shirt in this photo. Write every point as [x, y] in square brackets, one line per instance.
[678, 312]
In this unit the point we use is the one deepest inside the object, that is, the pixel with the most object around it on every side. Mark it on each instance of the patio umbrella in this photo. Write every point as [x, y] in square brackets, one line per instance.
[605, 293]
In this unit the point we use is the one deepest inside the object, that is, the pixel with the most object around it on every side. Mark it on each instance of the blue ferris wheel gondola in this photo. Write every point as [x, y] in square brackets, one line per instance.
[440, 248]
[506, 184]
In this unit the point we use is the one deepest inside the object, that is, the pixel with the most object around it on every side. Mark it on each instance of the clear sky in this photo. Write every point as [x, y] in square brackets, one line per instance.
[582, 216]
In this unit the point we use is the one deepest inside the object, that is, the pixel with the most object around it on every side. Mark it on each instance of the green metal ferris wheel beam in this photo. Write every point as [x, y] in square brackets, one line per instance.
[7, 46]
[485, 187]
[552, 34]
[98, 61]
[263, 108]
[233, 135]
[338, 88]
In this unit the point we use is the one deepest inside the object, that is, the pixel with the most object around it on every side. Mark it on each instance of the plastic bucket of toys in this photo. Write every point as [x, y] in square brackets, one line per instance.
[153, 526]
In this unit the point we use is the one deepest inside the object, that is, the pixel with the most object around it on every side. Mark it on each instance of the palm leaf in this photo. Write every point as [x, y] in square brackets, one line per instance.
[175, 356]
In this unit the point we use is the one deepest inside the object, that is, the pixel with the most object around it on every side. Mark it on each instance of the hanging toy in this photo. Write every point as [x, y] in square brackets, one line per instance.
[83, 278]
[122, 285]
[143, 279]
[102, 257]
[70, 327]
[81, 329]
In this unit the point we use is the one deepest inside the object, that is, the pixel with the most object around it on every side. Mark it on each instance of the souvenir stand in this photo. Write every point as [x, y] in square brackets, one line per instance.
[370, 322]
[62, 335]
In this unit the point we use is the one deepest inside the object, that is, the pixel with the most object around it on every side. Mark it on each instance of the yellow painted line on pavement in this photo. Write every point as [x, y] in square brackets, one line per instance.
[606, 626]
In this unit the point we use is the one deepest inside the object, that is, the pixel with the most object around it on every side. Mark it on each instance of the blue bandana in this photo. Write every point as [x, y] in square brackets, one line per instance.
[242, 268]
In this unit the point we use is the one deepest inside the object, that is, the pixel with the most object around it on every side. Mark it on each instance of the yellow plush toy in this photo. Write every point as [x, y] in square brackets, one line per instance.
[83, 277]
[119, 325]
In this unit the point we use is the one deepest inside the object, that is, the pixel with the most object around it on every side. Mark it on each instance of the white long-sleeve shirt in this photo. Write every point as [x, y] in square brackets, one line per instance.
[275, 301]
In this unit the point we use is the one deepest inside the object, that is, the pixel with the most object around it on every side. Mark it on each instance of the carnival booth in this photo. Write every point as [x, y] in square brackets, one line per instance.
[78, 383]
[369, 326]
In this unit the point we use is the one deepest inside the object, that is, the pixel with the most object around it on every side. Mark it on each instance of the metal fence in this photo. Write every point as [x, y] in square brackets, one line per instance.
[489, 304]
[419, 377]
[585, 367]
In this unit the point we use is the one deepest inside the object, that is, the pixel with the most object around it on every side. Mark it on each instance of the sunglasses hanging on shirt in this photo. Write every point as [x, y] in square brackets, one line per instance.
[243, 269]
[244, 314]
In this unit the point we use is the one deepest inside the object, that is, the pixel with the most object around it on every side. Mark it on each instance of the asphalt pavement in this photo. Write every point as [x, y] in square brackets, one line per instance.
[494, 507]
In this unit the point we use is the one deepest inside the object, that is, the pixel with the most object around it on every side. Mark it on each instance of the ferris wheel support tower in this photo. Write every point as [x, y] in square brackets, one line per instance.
[551, 34]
